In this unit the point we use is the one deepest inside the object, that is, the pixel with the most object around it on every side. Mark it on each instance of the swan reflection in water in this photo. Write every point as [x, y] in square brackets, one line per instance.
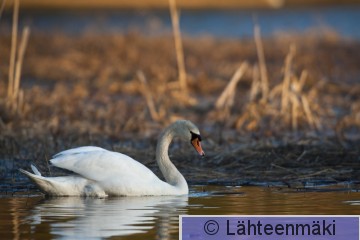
[72, 217]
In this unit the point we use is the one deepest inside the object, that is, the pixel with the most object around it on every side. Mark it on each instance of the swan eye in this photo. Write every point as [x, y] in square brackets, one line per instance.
[195, 136]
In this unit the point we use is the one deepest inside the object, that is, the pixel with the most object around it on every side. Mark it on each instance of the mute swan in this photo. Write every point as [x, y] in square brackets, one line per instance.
[99, 172]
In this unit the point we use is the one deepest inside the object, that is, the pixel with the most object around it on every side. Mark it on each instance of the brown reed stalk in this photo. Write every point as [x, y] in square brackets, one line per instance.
[299, 102]
[22, 47]
[303, 77]
[308, 114]
[13, 49]
[148, 96]
[256, 84]
[226, 99]
[178, 45]
[262, 63]
[275, 91]
[287, 80]
[295, 105]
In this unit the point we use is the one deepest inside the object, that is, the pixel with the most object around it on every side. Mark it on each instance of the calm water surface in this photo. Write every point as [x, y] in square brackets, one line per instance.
[156, 217]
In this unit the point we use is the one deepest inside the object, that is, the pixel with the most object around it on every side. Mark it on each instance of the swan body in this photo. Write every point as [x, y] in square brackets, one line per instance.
[99, 172]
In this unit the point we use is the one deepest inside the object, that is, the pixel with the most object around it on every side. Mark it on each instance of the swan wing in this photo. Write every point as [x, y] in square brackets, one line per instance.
[101, 165]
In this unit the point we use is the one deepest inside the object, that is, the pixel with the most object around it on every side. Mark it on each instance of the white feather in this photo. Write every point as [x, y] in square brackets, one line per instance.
[114, 172]
[35, 170]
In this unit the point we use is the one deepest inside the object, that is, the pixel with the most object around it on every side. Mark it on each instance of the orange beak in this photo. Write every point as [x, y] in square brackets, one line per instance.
[197, 145]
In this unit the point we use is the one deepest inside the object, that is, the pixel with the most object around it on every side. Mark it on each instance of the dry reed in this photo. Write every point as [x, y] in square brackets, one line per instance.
[178, 46]
[15, 96]
[287, 78]
[18, 94]
[294, 103]
[13, 50]
[262, 63]
[256, 84]
[146, 92]
[226, 99]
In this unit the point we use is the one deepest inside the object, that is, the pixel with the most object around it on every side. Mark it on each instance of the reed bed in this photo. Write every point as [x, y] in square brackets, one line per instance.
[266, 107]
[14, 101]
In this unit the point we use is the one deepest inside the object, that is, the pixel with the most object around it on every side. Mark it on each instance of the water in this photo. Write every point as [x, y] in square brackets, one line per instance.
[157, 217]
[219, 23]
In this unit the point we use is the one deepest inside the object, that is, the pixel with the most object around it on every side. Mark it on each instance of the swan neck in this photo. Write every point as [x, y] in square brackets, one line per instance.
[168, 169]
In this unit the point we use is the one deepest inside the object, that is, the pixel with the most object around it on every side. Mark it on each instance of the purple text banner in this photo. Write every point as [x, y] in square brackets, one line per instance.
[270, 227]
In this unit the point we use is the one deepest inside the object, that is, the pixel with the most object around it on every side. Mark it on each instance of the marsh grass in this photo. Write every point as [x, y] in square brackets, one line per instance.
[287, 101]
[294, 102]
[14, 102]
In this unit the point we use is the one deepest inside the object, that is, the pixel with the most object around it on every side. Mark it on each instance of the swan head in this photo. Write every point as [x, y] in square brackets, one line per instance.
[187, 131]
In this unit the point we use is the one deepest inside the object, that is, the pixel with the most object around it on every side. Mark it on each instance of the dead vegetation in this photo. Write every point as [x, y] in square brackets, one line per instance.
[14, 100]
[255, 100]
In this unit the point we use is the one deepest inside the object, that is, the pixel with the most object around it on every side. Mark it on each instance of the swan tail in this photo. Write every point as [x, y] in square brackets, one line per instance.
[43, 183]
[35, 170]
[47, 185]
[64, 186]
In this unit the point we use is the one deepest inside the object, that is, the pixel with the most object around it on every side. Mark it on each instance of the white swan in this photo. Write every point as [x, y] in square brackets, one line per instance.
[99, 172]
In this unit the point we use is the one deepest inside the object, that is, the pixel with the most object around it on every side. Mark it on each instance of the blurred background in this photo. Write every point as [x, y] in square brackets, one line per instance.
[256, 76]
